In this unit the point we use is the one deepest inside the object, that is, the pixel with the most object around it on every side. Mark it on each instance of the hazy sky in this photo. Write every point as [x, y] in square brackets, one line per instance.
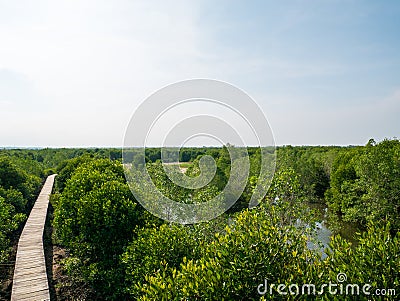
[73, 72]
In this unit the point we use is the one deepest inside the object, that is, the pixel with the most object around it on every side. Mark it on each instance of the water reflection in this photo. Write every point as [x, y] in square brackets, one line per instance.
[327, 227]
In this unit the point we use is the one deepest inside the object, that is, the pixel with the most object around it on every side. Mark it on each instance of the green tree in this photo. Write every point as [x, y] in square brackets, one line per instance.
[365, 184]
[9, 222]
[94, 218]
[156, 247]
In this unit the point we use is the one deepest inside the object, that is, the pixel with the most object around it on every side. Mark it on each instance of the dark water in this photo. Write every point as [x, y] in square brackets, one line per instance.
[325, 229]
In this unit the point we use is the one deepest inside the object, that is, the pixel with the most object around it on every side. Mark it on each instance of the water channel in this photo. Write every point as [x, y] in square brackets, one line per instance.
[325, 230]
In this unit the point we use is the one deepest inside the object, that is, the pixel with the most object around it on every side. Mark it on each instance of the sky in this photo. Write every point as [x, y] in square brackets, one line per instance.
[72, 73]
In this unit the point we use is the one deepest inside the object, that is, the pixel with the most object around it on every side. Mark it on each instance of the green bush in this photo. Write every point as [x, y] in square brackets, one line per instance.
[375, 260]
[255, 247]
[17, 188]
[155, 247]
[94, 217]
[9, 222]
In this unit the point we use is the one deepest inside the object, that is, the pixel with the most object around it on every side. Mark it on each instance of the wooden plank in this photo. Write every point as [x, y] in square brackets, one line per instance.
[30, 280]
[39, 295]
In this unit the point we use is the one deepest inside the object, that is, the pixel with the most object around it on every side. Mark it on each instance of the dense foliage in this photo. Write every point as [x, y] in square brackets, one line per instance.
[122, 252]
[181, 263]
[17, 191]
[365, 184]
[95, 217]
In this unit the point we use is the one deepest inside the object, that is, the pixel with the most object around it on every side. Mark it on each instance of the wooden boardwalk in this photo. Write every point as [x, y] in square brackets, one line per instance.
[30, 277]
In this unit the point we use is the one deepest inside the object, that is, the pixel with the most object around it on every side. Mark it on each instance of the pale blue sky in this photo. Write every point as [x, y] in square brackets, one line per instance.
[324, 72]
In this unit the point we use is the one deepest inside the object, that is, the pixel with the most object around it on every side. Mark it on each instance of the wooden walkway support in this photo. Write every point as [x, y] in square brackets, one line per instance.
[30, 277]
